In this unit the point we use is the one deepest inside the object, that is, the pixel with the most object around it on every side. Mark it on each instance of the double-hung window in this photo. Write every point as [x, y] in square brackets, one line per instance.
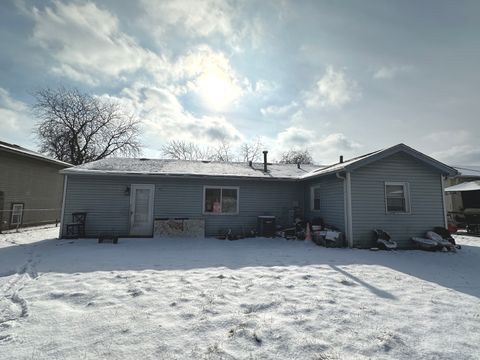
[397, 197]
[315, 198]
[220, 200]
[17, 214]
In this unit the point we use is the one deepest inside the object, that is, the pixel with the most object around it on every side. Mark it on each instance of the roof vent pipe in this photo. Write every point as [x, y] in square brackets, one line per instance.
[341, 159]
[265, 161]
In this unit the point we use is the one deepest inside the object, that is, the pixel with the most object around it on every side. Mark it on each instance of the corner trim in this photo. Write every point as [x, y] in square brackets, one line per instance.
[62, 215]
[442, 184]
[349, 210]
[347, 207]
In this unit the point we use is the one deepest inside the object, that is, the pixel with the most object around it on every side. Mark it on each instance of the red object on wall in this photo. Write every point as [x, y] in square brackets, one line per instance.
[452, 228]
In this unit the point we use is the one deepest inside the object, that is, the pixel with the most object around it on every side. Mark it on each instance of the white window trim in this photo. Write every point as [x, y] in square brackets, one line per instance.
[406, 192]
[220, 187]
[20, 215]
[312, 197]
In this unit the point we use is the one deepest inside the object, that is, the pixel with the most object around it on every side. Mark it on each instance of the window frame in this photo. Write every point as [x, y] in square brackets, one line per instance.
[406, 195]
[12, 214]
[312, 198]
[237, 210]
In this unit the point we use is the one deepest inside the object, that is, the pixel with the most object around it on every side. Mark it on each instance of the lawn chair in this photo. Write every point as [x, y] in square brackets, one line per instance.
[384, 240]
[76, 228]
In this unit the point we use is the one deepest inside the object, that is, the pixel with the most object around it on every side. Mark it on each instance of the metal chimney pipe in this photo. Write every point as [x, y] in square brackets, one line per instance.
[341, 159]
[265, 161]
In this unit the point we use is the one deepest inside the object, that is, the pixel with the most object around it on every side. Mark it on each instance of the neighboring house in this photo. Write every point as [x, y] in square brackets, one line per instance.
[30, 187]
[458, 201]
[397, 189]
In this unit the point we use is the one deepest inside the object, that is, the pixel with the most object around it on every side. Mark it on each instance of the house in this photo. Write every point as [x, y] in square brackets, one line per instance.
[397, 189]
[467, 195]
[462, 198]
[31, 187]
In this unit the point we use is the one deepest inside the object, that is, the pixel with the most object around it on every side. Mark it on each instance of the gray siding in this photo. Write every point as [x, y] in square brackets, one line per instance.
[35, 183]
[331, 201]
[104, 199]
[368, 200]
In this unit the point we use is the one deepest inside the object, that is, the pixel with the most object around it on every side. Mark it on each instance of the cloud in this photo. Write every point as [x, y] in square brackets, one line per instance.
[296, 137]
[191, 20]
[459, 155]
[196, 18]
[334, 89]
[15, 119]
[264, 86]
[391, 71]
[86, 43]
[210, 75]
[324, 149]
[87, 46]
[274, 110]
[164, 118]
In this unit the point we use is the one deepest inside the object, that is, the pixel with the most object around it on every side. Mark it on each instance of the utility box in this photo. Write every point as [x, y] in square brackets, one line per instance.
[266, 226]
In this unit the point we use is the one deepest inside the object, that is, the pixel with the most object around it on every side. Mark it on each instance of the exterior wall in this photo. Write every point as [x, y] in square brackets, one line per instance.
[368, 200]
[35, 183]
[332, 205]
[107, 205]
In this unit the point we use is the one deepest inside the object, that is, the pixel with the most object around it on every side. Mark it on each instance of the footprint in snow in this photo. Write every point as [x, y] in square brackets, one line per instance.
[347, 282]
[135, 292]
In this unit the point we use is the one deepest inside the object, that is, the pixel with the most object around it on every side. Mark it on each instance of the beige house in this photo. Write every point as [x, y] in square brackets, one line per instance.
[31, 187]
[458, 201]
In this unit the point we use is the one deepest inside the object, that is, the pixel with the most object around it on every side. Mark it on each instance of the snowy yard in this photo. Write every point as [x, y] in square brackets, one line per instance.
[247, 299]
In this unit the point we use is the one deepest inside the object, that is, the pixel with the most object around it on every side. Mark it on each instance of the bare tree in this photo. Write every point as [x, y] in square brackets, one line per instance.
[251, 151]
[223, 152]
[77, 128]
[183, 150]
[297, 157]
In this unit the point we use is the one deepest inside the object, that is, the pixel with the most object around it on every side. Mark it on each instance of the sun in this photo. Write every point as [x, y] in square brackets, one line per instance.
[217, 89]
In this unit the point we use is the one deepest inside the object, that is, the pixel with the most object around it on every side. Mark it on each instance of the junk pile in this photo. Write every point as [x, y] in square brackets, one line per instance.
[384, 240]
[317, 231]
[438, 239]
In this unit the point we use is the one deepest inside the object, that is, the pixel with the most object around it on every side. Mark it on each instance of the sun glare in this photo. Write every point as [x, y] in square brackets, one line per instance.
[217, 90]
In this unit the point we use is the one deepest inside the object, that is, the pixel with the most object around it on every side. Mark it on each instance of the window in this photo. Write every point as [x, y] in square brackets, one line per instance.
[315, 197]
[397, 197]
[220, 200]
[17, 214]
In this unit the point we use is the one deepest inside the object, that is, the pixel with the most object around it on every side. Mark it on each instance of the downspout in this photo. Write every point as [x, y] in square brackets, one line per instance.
[443, 202]
[62, 215]
[347, 207]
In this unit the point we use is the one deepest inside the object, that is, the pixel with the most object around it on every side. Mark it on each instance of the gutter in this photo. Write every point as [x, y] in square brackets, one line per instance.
[176, 176]
[347, 206]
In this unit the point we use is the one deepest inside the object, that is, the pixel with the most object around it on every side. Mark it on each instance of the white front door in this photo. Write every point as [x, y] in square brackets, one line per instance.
[141, 209]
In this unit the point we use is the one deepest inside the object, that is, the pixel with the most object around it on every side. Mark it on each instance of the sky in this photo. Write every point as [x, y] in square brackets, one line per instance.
[336, 77]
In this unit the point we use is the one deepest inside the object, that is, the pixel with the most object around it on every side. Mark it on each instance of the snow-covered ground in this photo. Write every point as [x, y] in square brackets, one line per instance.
[247, 299]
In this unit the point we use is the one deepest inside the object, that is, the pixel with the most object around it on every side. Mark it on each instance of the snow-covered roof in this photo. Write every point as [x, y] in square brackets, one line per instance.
[168, 167]
[366, 159]
[163, 167]
[466, 186]
[468, 171]
[338, 166]
[13, 148]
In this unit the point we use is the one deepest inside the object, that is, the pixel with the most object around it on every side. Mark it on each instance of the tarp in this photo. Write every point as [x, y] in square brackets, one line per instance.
[466, 186]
